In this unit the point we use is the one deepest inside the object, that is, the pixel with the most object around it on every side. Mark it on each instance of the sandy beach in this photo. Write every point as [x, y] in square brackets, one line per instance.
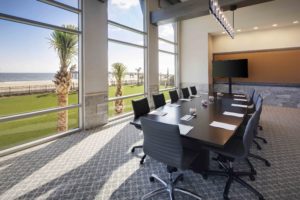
[29, 83]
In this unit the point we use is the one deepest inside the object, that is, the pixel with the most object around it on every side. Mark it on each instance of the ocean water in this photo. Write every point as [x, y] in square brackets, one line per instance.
[11, 77]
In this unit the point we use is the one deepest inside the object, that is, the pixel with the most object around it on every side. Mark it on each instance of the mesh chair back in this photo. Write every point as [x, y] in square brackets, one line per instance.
[173, 96]
[249, 133]
[193, 90]
[162, 142]
[255, 97]
[140, 107]
[159, 100]
[185, 93]
[258, 108]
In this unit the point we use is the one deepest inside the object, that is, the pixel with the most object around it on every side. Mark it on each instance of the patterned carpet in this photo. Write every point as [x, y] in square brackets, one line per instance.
[99, 165]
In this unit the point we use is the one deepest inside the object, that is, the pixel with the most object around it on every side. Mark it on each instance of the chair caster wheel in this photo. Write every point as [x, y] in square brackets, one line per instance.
[259, 148]
[225, 197]
[268, 164]
[252, 178]
[151, 179]
[132, 150]
[261, 198]
[204, 176]
[141, 162]
[253, 172]
[265, 141]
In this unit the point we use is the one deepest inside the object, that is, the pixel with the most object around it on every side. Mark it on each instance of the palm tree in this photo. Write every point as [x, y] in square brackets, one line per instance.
[118, 71]
[65, 45]
[138, 75]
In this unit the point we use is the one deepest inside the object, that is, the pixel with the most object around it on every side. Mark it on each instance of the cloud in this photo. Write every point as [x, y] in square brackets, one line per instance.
[125, 4]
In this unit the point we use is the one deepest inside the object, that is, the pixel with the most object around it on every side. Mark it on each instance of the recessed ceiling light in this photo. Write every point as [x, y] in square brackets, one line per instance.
[255, 28]
[295, 22]
[239, 30]
[275, 25]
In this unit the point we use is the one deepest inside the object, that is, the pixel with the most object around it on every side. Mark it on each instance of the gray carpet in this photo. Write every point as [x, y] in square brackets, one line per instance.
[99, 165]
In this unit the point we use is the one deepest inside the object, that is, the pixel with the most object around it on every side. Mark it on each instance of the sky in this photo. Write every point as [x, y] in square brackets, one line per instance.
[25, 48]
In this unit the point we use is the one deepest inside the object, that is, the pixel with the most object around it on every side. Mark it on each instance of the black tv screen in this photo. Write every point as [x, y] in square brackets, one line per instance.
[231, 68]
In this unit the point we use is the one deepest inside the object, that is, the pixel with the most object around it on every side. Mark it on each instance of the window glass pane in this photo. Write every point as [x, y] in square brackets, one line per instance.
[132, 60]
[167, 32]
[27, 69]
[38, 11]
[166, 70]
[126, 12]
[25, 130]
[124, 35]
[166, 46]
[73, 3]
[127, 106]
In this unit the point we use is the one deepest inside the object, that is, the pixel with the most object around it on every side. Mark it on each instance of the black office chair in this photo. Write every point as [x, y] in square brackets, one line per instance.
[185, 93]
[193, 90]
[173, 96]
[159, 100]
[259, 126]
[140, 108]
[250, 95]
[235, 149]
[162, 142]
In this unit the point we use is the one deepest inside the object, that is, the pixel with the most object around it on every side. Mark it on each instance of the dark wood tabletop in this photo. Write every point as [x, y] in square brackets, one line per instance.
[202, 130]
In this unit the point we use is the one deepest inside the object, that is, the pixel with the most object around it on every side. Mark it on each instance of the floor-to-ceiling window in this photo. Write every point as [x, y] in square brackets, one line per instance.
[167, 47]
[39, 70]
[126, 54]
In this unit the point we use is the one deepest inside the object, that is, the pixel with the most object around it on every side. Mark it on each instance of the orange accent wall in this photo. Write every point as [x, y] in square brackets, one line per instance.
[272, 66]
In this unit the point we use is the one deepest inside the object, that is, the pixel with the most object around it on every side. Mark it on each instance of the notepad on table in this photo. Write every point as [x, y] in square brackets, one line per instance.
[239, 105]
[245, 100]
[187, 117]
[184, 129]
[185, 99]
[223, 125]
[234, 114]
[239, 95]
[173, 105]
[159, 113]
[195, 96]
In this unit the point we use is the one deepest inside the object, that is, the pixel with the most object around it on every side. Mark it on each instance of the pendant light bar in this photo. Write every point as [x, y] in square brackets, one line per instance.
[216, 11]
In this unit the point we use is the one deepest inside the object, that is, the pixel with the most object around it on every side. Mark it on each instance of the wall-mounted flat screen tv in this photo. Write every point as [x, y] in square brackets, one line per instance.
[231, 68]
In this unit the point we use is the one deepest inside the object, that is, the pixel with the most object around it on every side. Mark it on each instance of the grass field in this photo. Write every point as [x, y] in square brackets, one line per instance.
[24, 130]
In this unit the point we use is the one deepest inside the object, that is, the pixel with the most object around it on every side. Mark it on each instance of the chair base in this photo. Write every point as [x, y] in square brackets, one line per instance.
[267, 163]
[144, 156]
[261, 138]
[169, 187]
[233, 176]
[257, 145]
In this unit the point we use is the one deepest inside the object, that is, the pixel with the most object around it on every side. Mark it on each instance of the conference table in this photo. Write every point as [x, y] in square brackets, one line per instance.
[202, 134]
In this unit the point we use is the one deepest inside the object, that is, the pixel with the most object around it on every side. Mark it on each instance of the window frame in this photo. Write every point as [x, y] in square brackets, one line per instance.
[34, 23]
[144, 33]
[176, 57]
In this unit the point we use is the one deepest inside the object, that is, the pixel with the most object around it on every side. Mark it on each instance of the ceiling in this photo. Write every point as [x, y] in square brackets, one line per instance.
[264, 15]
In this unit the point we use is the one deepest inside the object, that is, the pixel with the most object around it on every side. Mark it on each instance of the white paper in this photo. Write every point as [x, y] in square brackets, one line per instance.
[184, 129]
[159, 113]
[195, 96]
[187, 117]
[234, 114]
[239, 105]
[239, 95]
[245, 100]
[223, 125]
[173, 105]
[185, 99]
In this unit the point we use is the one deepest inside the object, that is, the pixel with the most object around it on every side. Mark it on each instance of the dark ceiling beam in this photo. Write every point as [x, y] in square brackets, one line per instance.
[194, 8]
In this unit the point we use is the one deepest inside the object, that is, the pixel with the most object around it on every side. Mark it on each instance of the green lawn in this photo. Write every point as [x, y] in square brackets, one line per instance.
[24, 130]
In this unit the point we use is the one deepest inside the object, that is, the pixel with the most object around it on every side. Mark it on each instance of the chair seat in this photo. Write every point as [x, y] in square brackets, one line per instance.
[234, 148]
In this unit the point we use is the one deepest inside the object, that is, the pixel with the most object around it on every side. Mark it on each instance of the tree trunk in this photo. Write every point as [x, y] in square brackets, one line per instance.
[119, 103]
[62, 122]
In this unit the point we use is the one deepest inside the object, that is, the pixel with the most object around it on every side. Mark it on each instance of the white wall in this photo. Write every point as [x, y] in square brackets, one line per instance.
[194, 54]
[286, 37]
